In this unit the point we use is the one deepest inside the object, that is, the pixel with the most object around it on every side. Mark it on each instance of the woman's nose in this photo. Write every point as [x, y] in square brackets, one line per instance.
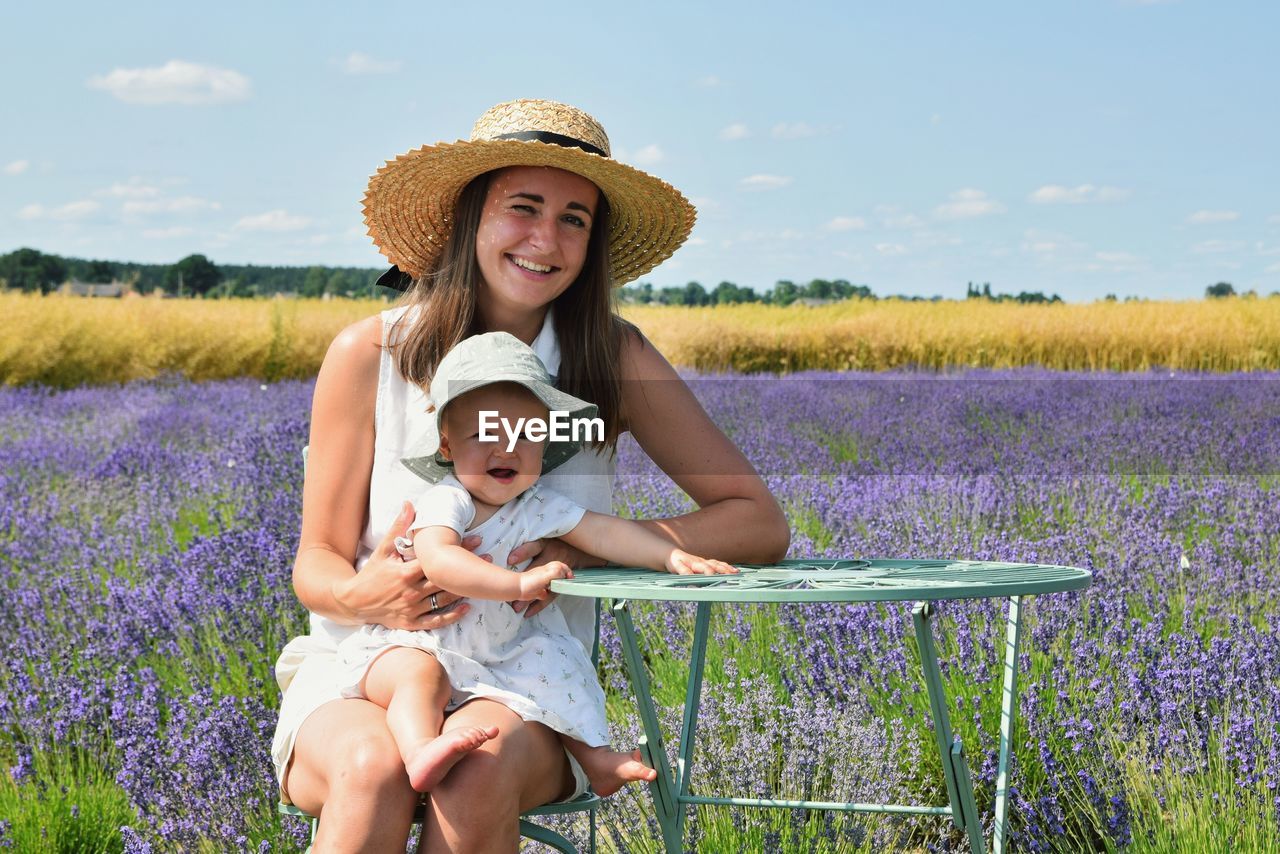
[543, 234]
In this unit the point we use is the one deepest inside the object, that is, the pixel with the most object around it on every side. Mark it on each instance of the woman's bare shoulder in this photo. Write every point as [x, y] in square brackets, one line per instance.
[359, 342]
[350, 367]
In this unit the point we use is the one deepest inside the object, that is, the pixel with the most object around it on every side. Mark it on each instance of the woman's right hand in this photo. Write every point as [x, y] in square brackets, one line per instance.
[394, 592]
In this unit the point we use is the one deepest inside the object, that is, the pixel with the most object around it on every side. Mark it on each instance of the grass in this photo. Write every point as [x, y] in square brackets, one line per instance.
[80, 811]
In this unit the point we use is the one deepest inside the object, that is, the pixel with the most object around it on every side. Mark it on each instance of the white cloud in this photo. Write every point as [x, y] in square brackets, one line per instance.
[17, 167]
[175, 82]
[710, 81]
[1264, 249]
[892, 216]
[1274, 268]
[648, 156]
[277, 220]
[734, 131]
[1208, 217]
[362, 63]
[134, 188]
[1115, 262]
[63, 213]
[695, 241]
[891, 249]
[764, 182]
[792, 130]
[1052, 245]
[1052, 194]
[1117, 257]
[967, 204]
[167, 233]
[846, 223]
[182, 204]
[1274, 219]
[1214, 246]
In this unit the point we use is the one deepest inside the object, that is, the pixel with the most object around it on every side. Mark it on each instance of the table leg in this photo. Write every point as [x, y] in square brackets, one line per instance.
[665, 802]
[1008, 709]
[692, 699]
[955, 769]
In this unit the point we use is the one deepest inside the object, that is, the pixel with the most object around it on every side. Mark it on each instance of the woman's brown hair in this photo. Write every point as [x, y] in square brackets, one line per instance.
[442, 311]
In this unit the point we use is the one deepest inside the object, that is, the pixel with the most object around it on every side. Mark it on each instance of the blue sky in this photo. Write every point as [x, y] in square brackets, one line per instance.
[1082, 148]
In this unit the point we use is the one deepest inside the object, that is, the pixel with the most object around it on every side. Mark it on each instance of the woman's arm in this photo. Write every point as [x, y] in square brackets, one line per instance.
[335, 498]
[462, 573]
[629, 543]
[737, 519]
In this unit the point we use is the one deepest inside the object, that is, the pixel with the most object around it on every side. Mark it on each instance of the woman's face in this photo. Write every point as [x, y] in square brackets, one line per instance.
[533, 234]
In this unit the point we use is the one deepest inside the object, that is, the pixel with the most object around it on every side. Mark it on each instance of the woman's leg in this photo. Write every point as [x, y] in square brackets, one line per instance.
[347, 770]
[477, 807]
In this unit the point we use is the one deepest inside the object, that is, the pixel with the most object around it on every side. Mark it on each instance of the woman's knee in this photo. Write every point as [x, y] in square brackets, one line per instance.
[344, 741]
[367, 758]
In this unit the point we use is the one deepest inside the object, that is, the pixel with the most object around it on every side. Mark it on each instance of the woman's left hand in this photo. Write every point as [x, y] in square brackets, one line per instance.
[683, 563]
[543, 552]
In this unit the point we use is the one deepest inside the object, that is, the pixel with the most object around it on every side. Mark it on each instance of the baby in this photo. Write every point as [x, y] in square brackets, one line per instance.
[485, 472]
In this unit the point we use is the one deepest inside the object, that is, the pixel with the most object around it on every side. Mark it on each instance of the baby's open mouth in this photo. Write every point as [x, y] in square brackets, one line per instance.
[503, 475]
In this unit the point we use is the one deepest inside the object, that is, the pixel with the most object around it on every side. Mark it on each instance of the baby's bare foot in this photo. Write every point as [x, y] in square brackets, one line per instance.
[609, 770]
[430, 762]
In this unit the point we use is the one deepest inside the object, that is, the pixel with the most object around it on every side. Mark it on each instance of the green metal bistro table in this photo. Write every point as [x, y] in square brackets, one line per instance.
[921, 581]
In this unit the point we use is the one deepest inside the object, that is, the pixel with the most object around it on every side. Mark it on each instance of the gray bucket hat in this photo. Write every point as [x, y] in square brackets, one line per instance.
[481, 360]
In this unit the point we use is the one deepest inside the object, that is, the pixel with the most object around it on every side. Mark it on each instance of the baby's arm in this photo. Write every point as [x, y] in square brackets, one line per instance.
[464, 574]
[627, 543]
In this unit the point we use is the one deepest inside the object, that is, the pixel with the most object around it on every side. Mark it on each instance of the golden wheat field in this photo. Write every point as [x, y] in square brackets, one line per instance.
[67, 341]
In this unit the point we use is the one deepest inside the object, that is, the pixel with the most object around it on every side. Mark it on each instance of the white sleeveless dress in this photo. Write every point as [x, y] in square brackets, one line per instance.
[308, 670]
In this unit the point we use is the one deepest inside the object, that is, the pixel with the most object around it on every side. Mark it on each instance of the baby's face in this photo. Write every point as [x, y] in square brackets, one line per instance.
[487, 470]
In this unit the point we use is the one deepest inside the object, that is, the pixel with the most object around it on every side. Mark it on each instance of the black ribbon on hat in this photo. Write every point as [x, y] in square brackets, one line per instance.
[552, 139]
[396, 279]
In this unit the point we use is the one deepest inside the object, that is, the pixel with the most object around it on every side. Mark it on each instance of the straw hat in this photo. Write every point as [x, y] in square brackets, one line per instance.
[410, 201]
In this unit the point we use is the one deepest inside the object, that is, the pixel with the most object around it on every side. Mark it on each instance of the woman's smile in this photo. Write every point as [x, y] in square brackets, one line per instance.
[531, 266]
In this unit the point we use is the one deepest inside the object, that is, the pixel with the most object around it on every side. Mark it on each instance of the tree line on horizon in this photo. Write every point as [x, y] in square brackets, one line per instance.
[195, 275]
[33, 271]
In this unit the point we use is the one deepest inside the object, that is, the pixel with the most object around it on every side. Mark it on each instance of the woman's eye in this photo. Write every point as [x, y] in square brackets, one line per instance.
[524, 208]
[575, 221]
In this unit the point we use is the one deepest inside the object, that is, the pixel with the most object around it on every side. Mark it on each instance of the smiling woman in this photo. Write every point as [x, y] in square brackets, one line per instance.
[524, 229]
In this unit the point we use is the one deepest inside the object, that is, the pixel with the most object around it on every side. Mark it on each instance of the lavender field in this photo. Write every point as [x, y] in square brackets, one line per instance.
[147, 534]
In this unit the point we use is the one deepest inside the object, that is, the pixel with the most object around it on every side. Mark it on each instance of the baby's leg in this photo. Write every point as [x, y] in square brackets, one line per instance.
[607, 769]
[414, 689]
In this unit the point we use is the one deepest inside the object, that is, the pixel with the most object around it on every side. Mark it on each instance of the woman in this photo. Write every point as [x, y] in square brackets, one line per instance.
[523, 229]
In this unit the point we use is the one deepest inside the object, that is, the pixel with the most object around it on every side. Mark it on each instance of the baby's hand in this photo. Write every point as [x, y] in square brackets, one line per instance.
[683, 563]
[536, 583]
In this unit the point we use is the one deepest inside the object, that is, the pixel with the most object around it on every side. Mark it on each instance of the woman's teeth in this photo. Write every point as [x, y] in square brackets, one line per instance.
[531, 266]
